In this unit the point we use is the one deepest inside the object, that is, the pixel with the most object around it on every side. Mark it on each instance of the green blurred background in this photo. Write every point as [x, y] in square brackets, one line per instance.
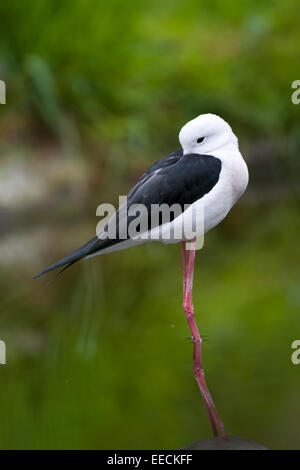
[96, 92]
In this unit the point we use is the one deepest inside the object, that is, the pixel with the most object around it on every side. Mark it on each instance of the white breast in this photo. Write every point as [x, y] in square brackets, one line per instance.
[232, 183]
[216, 204]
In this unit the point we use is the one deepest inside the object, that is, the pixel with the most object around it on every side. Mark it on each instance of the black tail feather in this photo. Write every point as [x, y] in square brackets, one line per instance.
[87, 249]
[59, 272]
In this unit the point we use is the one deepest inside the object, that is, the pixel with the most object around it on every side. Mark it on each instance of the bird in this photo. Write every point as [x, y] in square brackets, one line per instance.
[207, 172]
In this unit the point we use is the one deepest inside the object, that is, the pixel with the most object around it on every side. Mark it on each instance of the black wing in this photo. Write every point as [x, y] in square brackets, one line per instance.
[178, 178]
[181, 179]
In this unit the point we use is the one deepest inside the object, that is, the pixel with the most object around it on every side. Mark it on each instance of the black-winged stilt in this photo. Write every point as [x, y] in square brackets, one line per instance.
[208, 171]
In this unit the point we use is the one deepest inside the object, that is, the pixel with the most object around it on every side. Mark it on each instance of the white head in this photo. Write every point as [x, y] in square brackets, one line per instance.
[205, 134]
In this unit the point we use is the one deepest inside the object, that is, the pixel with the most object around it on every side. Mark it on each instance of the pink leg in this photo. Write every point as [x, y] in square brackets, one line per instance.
[185, 263]
[188, 274]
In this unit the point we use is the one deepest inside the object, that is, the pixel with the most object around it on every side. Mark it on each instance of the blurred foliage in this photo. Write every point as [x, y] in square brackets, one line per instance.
[101, 358]
[128, 70]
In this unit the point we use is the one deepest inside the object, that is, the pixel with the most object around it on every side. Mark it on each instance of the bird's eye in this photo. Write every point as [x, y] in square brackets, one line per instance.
[200, 140]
